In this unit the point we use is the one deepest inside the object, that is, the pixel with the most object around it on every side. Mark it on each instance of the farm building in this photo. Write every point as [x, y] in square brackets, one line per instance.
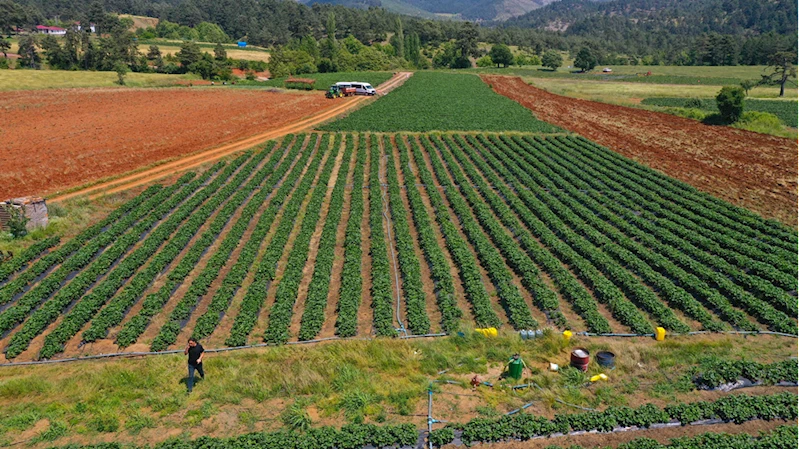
[52, 31]
[34, 208]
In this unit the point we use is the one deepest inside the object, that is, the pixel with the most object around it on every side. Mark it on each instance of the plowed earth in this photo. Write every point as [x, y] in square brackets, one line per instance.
[55, 139]
[751, 170]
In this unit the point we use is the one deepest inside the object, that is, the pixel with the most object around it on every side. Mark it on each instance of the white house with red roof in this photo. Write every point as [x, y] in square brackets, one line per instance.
[52, 31]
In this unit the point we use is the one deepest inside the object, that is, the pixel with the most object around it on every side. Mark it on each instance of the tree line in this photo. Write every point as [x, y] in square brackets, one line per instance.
[617, 32]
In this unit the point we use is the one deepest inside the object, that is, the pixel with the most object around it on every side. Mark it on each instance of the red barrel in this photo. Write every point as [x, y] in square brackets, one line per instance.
[580, 358]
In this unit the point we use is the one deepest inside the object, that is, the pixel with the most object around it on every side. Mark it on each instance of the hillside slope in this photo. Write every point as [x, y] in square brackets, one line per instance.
[581, 17]
[489, 10]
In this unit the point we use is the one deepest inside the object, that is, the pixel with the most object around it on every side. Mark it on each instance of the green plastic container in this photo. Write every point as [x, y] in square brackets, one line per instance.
[515, 369]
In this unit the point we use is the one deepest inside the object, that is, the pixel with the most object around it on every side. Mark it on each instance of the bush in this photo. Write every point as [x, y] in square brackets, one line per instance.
[691, 113]
[693, 103]
[485, 61]
[730, 102]
[760, 122]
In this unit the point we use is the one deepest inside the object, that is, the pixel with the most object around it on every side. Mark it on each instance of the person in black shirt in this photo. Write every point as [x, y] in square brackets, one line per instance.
[195, 352]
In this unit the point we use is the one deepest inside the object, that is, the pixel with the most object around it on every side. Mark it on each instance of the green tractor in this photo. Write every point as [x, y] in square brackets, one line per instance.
[334, 92]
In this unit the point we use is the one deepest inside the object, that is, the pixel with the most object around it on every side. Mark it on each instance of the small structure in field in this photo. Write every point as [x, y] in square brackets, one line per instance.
[52, 31]
[33, 208]
[607, 70]
[300, 83]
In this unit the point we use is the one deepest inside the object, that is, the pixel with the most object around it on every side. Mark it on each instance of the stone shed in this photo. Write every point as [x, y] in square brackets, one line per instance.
[32, 207]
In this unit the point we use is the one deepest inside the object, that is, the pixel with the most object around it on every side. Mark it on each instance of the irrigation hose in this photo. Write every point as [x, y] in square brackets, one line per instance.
[393, 255]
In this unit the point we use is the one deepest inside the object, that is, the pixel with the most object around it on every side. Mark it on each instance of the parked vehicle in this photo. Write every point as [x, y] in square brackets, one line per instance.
[363, 88]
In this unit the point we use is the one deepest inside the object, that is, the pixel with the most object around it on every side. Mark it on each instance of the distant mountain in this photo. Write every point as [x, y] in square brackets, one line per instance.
[482, 10]
[681, 17]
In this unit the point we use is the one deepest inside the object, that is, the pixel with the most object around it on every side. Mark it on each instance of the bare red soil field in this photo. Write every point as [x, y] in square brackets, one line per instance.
[755, 171]
[56, 139]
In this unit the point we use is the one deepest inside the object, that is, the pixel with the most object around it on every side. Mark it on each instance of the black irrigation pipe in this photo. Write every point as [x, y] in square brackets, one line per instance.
[217, 350]
[319, 340]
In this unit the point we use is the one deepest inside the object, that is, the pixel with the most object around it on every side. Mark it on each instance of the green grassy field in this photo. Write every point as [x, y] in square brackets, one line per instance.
[431, 101]
[785, 110]
[144, 400]
[325, 80]
[60, 79]
[681, 75]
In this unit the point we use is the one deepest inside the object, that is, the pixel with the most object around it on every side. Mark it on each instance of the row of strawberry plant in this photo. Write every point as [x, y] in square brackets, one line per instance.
[153, 304]
[53, 283]
[548, 228]
[782, 437]
[713, 372]
[30, 253]
[544, 298]
[462, 257]
[178, 317]
[576, 294]
[114, 312]
[676, 252]
[208, 321]
[568, 211]
[692, 209]
[680, 246]
[588, 242]
[351, 277]
[699, 202]
[523, 426]
[287, 290]
[683, 281]
[74, 291]
[178, 230]
[444, 288]
[349, 436]
[28, 277]
[685, 244]
[616, 244]
[415, 308]
[257, 292]
[741, 275]
[382, 289]
[313, 316]
[510, 297]
[737, 251]
[675, 218]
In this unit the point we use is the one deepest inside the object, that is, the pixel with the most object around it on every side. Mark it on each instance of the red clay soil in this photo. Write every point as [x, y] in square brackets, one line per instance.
[55, 139]
[755, 171]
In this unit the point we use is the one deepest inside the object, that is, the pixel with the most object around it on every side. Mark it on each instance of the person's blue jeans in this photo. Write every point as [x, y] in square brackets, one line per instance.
[190, 380]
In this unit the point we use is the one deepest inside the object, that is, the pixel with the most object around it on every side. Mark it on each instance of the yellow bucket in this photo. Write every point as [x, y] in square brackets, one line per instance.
[567, 335]
[488, 331]
[660, 334]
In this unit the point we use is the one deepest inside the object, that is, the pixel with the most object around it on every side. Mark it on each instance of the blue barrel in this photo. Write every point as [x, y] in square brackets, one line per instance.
[606, 359]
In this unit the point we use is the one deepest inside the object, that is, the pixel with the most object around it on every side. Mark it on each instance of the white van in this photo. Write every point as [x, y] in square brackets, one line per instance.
[363, 88]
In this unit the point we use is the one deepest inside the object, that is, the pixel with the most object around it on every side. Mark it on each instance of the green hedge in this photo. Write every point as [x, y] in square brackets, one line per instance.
[785, 110]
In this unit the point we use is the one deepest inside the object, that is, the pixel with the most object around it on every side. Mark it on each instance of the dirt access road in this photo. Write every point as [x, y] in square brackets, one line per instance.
[755, 171]
[134, 137]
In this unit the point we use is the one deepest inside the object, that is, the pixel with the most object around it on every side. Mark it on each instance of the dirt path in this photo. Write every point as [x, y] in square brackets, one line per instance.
[192, 161]
[751, 170]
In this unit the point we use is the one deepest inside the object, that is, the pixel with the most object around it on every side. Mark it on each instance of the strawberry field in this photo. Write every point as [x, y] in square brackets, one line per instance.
[340, 235]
